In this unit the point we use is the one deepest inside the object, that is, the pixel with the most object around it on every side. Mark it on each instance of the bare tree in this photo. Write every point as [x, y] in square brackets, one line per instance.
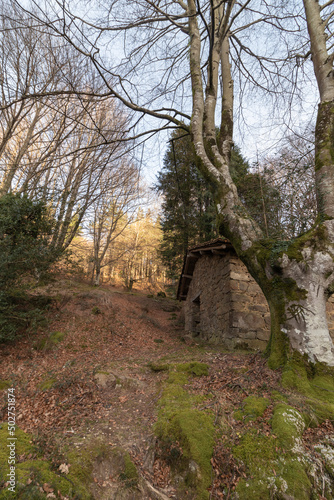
[55, 145]
[191, 52]
[113, 211]
[291, 172]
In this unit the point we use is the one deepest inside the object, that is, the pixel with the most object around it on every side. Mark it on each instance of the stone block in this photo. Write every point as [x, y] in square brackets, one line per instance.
[234, 285]
[247, 320]
[263, 335]
[239, 297]
[246, 334]
[239, 276]
[259, 307]
[254, 288]
[257, 344]
[267, 319]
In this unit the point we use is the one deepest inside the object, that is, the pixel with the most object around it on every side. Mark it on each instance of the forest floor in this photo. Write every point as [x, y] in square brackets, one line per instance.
[88, 384]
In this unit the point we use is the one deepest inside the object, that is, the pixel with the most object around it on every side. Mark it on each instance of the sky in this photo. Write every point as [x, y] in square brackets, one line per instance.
[259, 122]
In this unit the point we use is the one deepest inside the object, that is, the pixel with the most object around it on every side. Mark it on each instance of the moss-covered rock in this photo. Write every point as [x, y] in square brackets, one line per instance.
[278, 466]
[288, 425]
[193, 368]
[326, 450]
[271, 474]
[158, 367]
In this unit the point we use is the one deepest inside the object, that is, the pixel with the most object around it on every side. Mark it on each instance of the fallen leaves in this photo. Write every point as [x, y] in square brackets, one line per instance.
[64, 468]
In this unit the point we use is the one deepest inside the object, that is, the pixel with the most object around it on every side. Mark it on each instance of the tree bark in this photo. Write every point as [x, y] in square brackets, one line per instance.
[296, 277]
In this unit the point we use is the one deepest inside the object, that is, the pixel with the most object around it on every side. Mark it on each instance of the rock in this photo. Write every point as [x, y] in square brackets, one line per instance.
[105, 379]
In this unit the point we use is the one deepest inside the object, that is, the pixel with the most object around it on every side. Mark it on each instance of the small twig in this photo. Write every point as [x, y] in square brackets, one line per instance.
[217, 415]
[323, 388]
[238, 385]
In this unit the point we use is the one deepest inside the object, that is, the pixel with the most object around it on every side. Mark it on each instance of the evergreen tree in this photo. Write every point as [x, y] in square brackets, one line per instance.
[188, 210]
[25, 229]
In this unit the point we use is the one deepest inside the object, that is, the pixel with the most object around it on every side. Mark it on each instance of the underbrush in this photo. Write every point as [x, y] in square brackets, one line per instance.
[21, 313]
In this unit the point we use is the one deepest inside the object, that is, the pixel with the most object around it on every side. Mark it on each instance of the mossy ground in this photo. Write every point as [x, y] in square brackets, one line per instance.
[186, 431]
[33, 471]
[315, 383]
[129, 473]
[253, 407]
[277, 464]
[196, 413]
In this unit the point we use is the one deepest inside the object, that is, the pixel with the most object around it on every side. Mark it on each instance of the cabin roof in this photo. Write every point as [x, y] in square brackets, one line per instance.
[218, 246]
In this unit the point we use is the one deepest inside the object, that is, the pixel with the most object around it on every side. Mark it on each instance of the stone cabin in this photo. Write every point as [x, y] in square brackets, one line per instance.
[223, 303]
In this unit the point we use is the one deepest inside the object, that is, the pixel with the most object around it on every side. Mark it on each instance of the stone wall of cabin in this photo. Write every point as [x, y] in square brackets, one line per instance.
[225, 305]
[207, 307]
[250, 317]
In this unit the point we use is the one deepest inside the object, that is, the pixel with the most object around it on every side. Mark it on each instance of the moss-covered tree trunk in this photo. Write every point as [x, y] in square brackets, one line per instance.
[296, 277]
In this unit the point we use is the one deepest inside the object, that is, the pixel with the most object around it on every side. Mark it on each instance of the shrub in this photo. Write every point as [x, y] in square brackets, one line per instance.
[25, 252]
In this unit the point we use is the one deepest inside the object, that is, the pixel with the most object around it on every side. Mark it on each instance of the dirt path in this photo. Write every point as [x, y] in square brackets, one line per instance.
[86, 374]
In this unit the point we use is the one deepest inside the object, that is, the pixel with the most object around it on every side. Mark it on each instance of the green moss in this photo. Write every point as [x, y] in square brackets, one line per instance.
[270, 473]
[82, 462]
[194, 368]
[130, 473]
[278, 396]
[40, 472]
[23, 447]
[177, 378]
[314, 382]
[288, 425]
[5, 384]
[255, 450]
[47, 384]
[181, 425]
[295, 474]
[33, 467]
[254, 407]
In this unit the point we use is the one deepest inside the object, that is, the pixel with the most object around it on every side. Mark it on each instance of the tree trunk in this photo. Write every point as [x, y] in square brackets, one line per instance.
[297, 287]
[97, 276]
[296, 277]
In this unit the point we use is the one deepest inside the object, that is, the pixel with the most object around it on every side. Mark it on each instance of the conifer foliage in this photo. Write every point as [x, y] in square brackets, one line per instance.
[188, 208]
[188, 211]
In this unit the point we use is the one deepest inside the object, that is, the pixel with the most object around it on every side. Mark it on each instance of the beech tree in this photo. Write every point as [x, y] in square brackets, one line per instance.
[112, 212]
[179, 64]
